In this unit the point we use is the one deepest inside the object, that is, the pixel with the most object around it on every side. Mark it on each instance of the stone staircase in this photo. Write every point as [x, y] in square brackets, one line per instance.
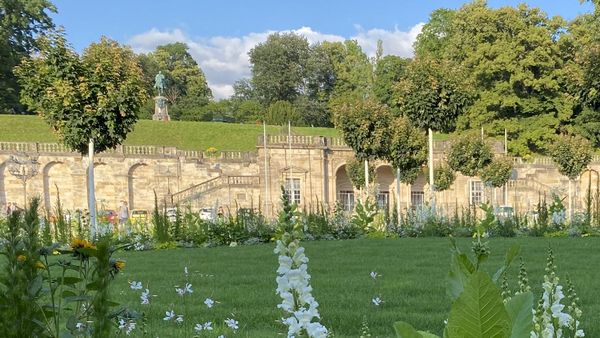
[213, 184]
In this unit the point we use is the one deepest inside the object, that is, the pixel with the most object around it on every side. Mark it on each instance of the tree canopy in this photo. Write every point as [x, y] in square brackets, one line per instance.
[95, 95]
[21, 21]
[186, 87]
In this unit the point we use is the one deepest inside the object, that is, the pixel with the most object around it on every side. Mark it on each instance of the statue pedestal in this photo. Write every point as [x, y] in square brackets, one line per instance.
[161, 112]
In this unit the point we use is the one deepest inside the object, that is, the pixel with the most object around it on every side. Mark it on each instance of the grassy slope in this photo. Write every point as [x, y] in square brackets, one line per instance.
[180, 134]
[184, 135]
[242, 279]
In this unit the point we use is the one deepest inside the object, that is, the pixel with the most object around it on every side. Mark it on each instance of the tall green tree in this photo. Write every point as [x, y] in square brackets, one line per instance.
[433, 40]
[353, 72]
[91, 101]
[20, 22]
[572, 155]
[406, 150]
[186, 86]
[364, 124]
[388, 70]
[514, 59]
[279, 67]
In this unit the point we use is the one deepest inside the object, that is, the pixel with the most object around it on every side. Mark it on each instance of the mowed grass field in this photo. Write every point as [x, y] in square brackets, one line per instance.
[412, 285]
[181, 134]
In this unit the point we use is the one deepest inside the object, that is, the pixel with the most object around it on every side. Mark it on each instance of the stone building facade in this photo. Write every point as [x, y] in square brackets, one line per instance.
[312, 168]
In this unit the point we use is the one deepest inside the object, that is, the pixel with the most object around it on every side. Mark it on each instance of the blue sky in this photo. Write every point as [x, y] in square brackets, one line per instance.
[220, 33]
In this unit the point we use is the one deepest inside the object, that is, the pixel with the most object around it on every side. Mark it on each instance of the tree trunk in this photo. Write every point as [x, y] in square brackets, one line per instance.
[91, 191]
[398, 197]
[367, 179]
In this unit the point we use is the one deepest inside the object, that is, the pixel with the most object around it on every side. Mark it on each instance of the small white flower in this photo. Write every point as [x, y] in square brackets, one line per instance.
[207, 326]
[221, 336]
[188, 288]
[135, 285]
[185, 270]
[209, 302]
[80, 326]
[232, 323]
[179, 319]
[144, 298]
[122, 324]
[169, 315]
[180, 291]
[198, 327]
[374, 275]
[376, 301]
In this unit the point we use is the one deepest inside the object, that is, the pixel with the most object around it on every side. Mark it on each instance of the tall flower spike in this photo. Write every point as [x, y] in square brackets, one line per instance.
[293, 279]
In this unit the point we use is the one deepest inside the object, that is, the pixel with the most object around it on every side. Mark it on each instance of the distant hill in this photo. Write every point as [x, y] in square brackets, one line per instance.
[180, 134]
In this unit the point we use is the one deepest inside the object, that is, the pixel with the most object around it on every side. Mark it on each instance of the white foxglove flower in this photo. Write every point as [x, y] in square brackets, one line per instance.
[209, 302]
[135, 285]
[232, 323]
[169, 315]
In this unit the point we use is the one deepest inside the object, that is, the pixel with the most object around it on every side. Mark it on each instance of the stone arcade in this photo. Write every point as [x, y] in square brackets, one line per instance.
[313, 168]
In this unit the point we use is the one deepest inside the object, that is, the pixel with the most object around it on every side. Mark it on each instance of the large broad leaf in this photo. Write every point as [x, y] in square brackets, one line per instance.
[461, 269]
[405, 330]
[521, 317]
[511, 254]
[479, 311]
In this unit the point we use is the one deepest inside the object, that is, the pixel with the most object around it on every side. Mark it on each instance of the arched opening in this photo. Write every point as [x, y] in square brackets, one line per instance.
[417, 191]
[384, 184]
[11, 188]
[344, 189]
[105, 187]
[57, 174]
[141, 183]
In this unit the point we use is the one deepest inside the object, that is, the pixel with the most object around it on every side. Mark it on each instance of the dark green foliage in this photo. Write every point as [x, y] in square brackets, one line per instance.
[278, 67]
[62, 229]
[355, 170]
[388, 71]
[364, 123]
[572, 154]
[21, 279]
[497, 173]
[444, 177]
[469, 155]
[20, 22]
[161, 222]
[406, 148]
[186, 87]
[433, 94]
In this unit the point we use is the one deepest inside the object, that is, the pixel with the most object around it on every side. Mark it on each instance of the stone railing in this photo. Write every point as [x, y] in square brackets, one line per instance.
[212, 184]
[129, 150]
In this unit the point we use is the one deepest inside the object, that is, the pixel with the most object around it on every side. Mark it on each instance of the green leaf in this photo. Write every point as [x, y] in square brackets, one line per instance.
[479, 311]
[519, 310]
[511, 254]
[461, 268]
[82, 298]
[405, 330]
[71, 280]
[35, 286]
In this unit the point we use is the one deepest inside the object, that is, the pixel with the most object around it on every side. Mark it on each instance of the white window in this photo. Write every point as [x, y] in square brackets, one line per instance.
[383, 199]
[292, 188]
[417, 199]
[475, 192]
[346, 200]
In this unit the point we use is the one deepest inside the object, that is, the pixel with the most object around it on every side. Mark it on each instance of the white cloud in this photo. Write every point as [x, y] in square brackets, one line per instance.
[224, 60]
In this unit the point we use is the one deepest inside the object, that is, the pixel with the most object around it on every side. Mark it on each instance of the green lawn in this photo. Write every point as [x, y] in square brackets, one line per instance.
[412, 286]
[180, 134]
